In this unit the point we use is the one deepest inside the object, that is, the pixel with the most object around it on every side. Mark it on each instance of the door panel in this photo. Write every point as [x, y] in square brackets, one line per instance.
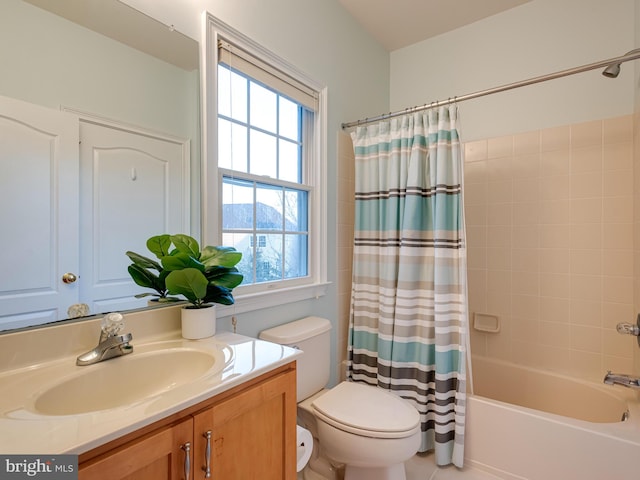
[134, 186]
[39, 172]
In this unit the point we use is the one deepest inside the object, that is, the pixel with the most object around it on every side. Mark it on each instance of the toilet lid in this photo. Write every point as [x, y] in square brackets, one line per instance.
[368, 411]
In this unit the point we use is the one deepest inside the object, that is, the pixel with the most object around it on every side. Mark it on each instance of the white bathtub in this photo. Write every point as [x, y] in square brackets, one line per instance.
[531, 424]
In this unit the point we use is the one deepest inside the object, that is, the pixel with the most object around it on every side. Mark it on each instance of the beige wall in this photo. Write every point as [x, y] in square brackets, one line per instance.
[636, 223]
[549, 218]
[346, 218]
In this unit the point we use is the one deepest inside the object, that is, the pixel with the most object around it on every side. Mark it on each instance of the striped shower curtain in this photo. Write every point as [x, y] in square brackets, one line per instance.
[408, 323]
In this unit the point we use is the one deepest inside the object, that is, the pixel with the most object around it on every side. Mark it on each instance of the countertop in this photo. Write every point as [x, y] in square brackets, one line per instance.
[24, 431]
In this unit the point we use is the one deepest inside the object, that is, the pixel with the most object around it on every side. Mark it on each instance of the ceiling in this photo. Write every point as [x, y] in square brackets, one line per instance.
[398, 23]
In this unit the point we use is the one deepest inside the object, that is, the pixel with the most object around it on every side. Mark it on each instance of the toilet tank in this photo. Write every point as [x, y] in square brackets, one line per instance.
[311, 335]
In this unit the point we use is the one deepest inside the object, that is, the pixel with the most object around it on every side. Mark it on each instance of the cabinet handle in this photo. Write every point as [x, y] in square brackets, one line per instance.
[207, 455]
[187, 461]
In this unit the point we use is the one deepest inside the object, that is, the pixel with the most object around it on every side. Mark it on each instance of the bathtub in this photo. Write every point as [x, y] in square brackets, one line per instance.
[530, 424]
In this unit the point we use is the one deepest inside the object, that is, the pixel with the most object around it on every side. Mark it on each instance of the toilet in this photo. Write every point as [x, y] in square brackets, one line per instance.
[370, 431]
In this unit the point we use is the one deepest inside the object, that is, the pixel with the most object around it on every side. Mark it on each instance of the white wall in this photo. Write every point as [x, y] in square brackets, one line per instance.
[321, 39]
[540, 37]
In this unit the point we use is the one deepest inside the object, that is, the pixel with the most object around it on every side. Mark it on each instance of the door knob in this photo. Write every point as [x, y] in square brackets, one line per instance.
[69, 278]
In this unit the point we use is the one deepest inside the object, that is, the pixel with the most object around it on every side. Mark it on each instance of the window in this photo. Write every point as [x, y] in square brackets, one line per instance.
[268, 169]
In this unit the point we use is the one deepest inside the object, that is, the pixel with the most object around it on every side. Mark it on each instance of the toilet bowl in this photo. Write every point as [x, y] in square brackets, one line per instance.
[365, 428]
[368, 429]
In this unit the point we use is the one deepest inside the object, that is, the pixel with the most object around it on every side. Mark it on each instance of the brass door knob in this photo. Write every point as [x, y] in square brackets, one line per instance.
[69, 278]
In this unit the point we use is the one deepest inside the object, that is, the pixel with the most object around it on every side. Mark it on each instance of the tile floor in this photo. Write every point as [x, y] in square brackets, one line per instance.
[423, 467]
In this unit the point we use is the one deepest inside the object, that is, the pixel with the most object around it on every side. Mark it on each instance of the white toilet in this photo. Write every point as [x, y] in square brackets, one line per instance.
[369, 430]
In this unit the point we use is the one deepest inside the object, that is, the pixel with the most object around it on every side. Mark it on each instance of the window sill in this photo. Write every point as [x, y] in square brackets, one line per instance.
[271, 298]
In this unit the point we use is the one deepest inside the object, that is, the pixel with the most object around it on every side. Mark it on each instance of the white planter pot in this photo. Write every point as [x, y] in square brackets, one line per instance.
[198, 322]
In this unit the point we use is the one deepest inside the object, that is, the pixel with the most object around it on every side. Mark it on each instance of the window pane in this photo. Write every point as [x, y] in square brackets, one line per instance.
[268, 207]
[263, 109]
[232, 94]
[295, 210]
[296, 248]
[237, 204]
[288, 121]
[263, 160]
[232, 145]
[242, 243]
[289, 167]
[268, 259]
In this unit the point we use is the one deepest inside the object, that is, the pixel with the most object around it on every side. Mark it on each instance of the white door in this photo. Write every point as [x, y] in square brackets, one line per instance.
[39, 179]
[134, 184]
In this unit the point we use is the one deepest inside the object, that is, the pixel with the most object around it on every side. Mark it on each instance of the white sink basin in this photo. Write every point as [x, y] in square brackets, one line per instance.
[126, 380]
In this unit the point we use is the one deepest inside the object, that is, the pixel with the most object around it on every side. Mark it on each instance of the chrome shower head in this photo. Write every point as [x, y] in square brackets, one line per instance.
[612, 71]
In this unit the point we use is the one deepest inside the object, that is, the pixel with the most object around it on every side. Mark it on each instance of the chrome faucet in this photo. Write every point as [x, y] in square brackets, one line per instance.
[110, 344]
[622, 379]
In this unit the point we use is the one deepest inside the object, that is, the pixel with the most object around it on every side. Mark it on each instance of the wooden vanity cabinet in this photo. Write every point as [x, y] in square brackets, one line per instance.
[156, 456]
[249, 431]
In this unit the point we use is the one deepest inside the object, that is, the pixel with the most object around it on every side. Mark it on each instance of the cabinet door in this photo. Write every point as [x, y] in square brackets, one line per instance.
[157, 456]
[252, 433]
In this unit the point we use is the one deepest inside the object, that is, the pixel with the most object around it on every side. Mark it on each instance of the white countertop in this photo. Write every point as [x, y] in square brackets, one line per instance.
[25, 431]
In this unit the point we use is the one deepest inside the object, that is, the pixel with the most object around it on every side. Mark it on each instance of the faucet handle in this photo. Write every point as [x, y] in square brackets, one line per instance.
[628, 329]
[112, 324]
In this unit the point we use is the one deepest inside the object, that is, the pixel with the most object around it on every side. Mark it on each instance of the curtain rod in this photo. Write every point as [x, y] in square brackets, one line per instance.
[633, 55]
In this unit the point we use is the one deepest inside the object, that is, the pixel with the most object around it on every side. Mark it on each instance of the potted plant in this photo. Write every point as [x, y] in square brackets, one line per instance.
[204, 278]
[149, 273]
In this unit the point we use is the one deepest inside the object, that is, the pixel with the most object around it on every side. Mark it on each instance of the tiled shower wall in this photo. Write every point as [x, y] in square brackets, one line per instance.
[550, 222]
[346, 221]
[550, 231]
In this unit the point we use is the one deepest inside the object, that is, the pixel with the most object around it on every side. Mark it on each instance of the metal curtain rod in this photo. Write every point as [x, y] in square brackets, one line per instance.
[523, 83]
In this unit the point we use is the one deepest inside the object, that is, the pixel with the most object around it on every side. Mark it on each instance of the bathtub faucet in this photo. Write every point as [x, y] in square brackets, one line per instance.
[621, 379]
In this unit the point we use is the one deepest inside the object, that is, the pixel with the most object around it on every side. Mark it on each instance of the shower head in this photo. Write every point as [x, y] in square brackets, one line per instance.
[613, 70]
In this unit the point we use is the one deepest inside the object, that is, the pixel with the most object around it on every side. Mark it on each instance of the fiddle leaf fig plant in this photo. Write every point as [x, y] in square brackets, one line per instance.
[202, 277]
[149, 273]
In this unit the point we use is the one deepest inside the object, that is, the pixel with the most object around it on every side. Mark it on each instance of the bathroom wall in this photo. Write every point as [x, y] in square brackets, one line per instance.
[636, 180]
[584, 199]
[537, 38]
[346, 221]
[549, 217]
[335, 51]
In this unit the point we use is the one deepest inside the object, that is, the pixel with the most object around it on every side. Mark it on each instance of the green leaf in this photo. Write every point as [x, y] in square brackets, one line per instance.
[186, 244]
[225, 277]
[189, 282]
[145, 278]
[144, 262]
[159, 245]
[216, 294]
[223, 256]
[180, 261]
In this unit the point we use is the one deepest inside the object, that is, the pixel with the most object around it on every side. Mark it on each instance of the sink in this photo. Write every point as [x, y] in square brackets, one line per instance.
[126, 380]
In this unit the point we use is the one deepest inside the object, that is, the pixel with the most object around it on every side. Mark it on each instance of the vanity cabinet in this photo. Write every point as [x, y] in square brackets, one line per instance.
[156, 456]
[248, 432]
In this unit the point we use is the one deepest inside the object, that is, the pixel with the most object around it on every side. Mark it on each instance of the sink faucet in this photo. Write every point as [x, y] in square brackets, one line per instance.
[110, 344]
[622, 379]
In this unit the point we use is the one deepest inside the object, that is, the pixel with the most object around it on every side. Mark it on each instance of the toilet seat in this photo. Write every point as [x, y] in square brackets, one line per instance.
[367, 411]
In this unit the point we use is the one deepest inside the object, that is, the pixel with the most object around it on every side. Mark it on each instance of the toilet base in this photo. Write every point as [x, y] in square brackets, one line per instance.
[394, 472]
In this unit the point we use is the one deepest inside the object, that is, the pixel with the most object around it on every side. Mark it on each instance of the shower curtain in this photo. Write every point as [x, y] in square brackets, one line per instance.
[408, 323]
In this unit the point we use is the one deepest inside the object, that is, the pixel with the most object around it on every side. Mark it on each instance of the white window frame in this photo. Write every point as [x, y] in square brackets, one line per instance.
[274, 293]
